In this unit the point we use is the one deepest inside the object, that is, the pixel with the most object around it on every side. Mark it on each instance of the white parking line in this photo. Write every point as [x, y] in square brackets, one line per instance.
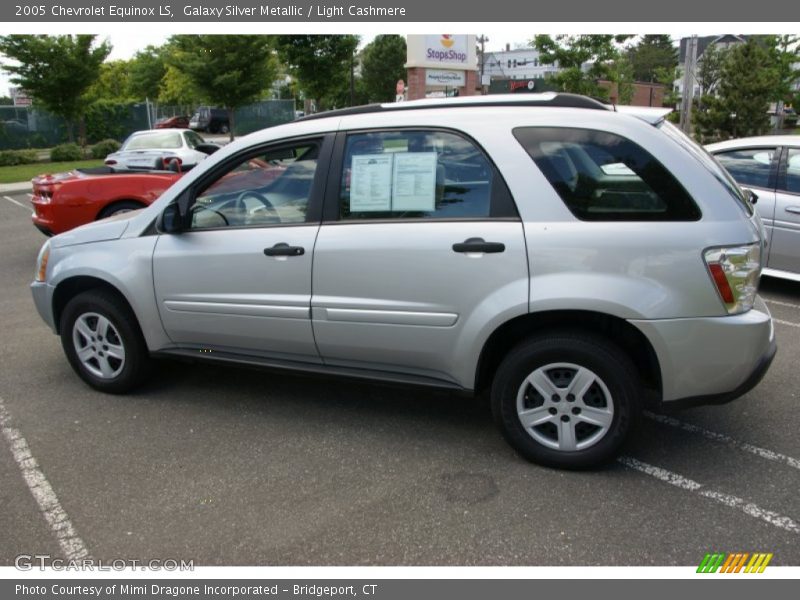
[781, 303]
[17, 202]
[773, 518]
[57, 519]
[781, 322]
[29, 195]
[725, 439]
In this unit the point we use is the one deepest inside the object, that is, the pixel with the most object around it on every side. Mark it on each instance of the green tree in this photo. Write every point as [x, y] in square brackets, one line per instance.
[584, 59]
[113, 83]
[177, 88]
[321, 63]
[709, 69]
[229, 70]
[652, 53]
[382, 64]
[785, 53]
[147, 70]
[56, 71]
[747, 83]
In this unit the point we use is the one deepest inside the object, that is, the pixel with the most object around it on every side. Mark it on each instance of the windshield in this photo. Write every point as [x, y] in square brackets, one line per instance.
[154, 141]
[709, 162]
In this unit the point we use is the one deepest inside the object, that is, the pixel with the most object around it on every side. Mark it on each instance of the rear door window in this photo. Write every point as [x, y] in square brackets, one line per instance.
[601, 176]
[751, 166]
[419, 174]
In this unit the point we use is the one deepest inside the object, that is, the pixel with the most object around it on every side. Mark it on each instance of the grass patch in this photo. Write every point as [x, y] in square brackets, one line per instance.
[28, 172]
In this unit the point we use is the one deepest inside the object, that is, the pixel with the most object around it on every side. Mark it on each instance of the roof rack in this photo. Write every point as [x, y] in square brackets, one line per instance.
[547, 99]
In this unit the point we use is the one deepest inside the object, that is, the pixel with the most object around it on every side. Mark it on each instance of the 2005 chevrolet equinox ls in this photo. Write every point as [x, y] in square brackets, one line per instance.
[573, 260]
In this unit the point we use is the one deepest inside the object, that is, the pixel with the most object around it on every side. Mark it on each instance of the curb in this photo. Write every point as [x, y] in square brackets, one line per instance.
[20, 186]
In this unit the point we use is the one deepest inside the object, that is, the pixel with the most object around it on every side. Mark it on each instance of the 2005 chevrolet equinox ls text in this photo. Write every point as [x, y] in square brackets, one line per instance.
[575, 261]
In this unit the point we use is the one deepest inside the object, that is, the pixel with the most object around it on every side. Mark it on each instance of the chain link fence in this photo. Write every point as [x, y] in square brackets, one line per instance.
[29, 127]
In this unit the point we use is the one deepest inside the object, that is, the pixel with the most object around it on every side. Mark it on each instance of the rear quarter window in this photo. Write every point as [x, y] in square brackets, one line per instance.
[602, 176]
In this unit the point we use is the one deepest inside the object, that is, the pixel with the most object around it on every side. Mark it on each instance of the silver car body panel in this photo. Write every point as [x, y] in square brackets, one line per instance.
[217, 289]
[693, 365]
[397, 294]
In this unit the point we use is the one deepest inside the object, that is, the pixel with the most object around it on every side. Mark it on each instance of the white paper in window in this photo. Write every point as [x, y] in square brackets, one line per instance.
[414, 182]
[371, 183]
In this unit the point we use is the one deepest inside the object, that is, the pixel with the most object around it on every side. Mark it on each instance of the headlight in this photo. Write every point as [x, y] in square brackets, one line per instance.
[735, 271]
[41, 262]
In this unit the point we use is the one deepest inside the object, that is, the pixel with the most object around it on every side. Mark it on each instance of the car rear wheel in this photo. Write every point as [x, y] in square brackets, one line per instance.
[103, 343]
[119, 207]
[566, 400]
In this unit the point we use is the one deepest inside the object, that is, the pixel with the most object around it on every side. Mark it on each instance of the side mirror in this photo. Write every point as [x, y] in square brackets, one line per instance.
[171, 220]
[753, 197]
[207, 148]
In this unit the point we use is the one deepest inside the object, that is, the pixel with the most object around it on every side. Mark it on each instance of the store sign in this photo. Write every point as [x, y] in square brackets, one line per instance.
[20, 97]
[446, 48]
[445, 78]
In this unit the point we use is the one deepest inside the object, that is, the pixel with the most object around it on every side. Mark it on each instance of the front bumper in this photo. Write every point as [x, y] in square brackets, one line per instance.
[43, 299]
[711, 360]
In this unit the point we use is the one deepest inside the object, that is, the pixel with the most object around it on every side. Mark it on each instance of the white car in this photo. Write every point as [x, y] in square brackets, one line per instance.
[148, 149]
[769, 166]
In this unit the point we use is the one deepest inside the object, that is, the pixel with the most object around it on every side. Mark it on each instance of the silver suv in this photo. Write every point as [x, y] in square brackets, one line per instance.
[574, 261]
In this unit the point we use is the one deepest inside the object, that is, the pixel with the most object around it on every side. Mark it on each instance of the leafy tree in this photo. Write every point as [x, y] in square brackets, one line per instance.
[230, 70]
[709, 69]
[113, 83]
[321, 63]
[584, 59]
[382, 64]
[177, 88]
[747, 82]
[652, 53]
[6, 101]
[56, 71]
[147, 70]
[785, 53]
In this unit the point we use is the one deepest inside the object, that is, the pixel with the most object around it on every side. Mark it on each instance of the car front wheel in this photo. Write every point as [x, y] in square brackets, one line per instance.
[103, 342]
[566, 400]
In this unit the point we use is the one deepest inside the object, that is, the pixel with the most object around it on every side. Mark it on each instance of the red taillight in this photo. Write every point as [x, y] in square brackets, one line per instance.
[722, 283]
[111, 162]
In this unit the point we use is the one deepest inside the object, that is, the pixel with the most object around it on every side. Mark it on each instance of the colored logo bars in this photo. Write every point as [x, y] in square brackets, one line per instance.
[735, 562]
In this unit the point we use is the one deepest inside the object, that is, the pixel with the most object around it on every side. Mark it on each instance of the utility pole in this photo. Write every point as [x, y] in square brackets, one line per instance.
[482, 41]
[689, 66]
[353, 78]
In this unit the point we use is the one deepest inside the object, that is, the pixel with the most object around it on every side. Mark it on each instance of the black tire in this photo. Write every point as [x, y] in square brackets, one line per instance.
[118, 207]
[616, 382]
[124, 332]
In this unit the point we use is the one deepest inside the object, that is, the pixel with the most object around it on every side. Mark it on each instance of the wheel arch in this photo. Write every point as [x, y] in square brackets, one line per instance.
[100, 213]
[69, 288]
[615, 329]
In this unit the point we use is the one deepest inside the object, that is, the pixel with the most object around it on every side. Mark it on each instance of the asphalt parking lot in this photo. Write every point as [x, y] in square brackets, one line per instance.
[238, 467]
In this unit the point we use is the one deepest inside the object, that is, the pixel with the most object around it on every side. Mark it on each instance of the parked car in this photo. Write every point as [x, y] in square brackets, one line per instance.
[147, 149]
[770, 167]
[64, 201]
[212, 120]
[175, 122]
[473, 244]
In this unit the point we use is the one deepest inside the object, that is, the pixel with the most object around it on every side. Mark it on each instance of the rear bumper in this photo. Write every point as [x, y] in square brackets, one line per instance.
[723, 398]
[711, 360]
